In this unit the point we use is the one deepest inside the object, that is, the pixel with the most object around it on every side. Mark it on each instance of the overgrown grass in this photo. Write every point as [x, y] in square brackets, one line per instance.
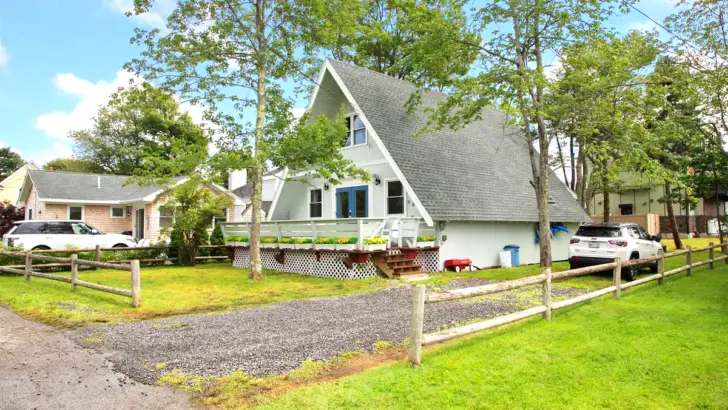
[166, 291]
[658, 347]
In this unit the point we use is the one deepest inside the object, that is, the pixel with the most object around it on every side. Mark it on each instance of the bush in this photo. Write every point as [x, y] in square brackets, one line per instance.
[217, 238]
[6, 260]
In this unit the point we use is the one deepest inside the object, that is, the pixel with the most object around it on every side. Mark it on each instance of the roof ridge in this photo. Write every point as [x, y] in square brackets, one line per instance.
[388, 77]
[79, 173]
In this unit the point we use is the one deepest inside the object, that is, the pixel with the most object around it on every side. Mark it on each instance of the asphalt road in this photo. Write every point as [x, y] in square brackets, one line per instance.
[40, 368]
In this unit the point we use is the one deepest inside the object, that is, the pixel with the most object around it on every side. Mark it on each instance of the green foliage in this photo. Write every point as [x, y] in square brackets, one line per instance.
[346, 241]
[217, 238]
[9, 214]
[237, 239]
[325, 241]
[73, 165]
[11, 260]
[303, 240]
[142, 132]
[375, 241]
[269, 239]
[10, 161]
[428, 238]
[286, 240]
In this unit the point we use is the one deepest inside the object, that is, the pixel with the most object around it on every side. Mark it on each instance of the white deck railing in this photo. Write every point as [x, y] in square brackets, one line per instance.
[404, 230]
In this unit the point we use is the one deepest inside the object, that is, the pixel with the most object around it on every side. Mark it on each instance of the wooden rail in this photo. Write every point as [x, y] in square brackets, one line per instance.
[421, 297]
[133, 267]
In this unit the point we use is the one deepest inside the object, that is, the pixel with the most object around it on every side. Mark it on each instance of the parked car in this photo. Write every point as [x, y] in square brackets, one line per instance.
[596, 244]
[35, 235]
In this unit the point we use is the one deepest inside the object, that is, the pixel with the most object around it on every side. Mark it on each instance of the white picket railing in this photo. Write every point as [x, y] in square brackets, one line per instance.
[406, 230]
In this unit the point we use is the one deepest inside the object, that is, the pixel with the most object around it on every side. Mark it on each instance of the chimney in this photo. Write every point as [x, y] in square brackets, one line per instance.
[98, 181]
[236, 179]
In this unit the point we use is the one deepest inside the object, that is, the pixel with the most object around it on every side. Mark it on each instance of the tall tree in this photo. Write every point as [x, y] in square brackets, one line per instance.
[512, 39]
[73, 165]
[235, 57]
[141, 129]
[10, 161]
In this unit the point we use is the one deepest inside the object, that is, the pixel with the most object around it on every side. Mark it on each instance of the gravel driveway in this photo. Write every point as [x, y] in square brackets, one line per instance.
[276, 339]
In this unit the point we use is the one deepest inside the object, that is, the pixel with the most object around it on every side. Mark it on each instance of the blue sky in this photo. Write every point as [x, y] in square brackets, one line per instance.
[60, 60]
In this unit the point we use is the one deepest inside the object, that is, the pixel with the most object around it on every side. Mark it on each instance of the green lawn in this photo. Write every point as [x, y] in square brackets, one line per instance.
[658, 347]
[166, 291]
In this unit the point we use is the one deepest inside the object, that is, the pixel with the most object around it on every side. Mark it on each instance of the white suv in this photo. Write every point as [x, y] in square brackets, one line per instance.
[595, 244]
[37, 234]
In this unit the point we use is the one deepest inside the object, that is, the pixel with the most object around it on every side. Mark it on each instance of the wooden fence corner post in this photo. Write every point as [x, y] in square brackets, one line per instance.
[547, 293]
[725, 252]
[97, 253]
[711, 255]
[661, 267]
[617, 278]
[418, 318]
[136, 284]
[74, 271]
[28, 264]
[690, 260]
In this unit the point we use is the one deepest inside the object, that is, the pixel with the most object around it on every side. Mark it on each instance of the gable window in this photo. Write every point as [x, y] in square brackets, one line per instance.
[75, 213]
[314, 205]
[356, 131]
[118, 212]
[166, 218]
[395, 198]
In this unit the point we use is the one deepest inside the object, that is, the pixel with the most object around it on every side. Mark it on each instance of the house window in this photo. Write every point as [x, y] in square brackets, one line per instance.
[395, 198]
[357, 132]
[75, 213]
[30, 213]
[315, 201]
[118, 212]
[626, 209]
[166, 218]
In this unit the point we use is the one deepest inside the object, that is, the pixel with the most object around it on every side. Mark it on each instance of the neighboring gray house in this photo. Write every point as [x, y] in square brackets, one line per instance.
[238, 184]
[473, 184]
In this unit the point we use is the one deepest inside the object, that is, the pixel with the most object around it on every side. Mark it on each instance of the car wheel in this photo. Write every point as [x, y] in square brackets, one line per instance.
[120, 245]
[630, 273]
[42, 248]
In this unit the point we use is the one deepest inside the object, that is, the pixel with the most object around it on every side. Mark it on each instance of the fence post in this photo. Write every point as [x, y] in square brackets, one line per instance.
[97, 255]
[617, 278]
[690, 260]
[711, 253]
[418, 318]
[661, 267]
[74, 271]
[547, 294]
[28, 264]
[136, 284]
[725, 252]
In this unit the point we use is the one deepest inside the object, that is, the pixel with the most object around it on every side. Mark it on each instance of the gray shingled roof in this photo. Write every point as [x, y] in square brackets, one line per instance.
[73, 186]
[480, 172]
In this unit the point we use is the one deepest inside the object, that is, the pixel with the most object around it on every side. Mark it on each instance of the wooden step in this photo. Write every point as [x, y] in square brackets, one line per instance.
[399, 263]
[398, 258]
[407, 269]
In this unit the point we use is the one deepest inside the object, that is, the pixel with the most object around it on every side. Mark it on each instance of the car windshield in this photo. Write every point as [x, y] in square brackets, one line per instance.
[598, 232]
[80, 228]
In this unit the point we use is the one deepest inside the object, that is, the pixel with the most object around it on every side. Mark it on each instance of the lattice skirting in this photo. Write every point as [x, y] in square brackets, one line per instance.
[328, 265]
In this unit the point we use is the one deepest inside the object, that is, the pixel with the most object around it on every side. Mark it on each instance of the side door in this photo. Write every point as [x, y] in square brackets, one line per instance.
[651, 247]
[82, 237]
[636, 237]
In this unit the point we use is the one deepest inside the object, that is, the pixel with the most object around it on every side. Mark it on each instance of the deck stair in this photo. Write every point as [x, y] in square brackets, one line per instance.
[398, 265]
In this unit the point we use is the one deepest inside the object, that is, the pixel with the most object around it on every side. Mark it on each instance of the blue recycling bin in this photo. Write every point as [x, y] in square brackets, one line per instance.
[515, 254]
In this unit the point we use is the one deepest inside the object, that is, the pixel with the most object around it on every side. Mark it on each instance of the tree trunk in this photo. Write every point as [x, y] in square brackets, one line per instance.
[587, 191]
[563, 162]
[572, 161]
[606, 199]
[717, 213]
[671, 217]
[581, 176]
[256, 267]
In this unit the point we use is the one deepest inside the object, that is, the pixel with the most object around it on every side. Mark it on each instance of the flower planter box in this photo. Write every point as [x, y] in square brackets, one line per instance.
[245, 244]
[425, 244]
[376, 247]
[231, 243]
[304, 246]
[325, 246]
[269, 245]
[345, 246]
[286, 246]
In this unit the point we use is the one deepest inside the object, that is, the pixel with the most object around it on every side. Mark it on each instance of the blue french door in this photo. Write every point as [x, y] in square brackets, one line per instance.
[352, 202]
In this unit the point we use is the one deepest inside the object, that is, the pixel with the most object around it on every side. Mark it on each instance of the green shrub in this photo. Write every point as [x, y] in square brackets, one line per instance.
[375, 241]
[427, 238]
[11, 260]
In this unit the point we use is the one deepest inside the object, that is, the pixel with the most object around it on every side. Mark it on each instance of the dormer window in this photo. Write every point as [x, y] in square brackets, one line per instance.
[356, 130]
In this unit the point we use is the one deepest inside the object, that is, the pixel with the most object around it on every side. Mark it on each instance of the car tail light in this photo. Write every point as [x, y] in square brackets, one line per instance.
[574, 240]
[618, 243]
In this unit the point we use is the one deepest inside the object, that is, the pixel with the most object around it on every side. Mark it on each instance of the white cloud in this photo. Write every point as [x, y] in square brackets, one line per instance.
[4, 56]
[58, 124]
[152, 18]
[57, 150]
[552, 70]
[646, 25]
[298, 112]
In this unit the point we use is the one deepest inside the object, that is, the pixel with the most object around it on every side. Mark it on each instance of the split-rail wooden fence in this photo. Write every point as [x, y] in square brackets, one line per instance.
[132, 266]
[421, 297]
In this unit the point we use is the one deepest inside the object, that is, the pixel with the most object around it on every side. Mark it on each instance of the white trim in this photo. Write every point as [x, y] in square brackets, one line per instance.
[153, 196]
[308, 202]
[386, 197]
[380, 144]
[111, 212]
[79, 202]
[236, 199]
[279, 188]
[18, 170]
[83, 211]
[360, 165]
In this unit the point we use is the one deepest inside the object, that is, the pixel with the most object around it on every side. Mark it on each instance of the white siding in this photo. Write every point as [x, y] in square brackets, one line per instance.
[481, 242]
